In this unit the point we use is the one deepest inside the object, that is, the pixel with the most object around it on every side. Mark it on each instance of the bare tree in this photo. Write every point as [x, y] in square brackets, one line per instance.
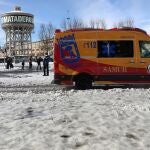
[50, 31]
[129, 22]
[75, 23]
[92, 23]
[46, 34]
[102, 23]
[115, 25]
[64, 24]
[78, 23]
[121, 24]
[96, 24]
[42, 32]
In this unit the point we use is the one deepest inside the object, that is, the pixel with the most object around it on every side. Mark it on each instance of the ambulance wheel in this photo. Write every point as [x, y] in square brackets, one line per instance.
[83, 83]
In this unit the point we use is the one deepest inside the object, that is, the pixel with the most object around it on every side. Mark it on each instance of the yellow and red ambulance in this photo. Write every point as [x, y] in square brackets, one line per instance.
[86, 57]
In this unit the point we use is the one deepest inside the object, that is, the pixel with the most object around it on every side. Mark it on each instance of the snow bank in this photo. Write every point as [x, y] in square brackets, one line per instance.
[94, 119]
[113, 119]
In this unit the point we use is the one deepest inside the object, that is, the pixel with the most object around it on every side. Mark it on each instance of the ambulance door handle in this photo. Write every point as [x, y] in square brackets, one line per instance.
[131, 61]
[142, 62]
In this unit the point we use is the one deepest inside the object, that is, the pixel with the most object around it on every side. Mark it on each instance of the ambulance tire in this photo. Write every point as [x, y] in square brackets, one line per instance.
[83, 83]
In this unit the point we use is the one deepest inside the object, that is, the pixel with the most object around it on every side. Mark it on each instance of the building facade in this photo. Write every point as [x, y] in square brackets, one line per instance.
[36, 48]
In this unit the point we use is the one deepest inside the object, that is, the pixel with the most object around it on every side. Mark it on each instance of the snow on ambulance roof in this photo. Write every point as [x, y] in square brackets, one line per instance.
[100, 29]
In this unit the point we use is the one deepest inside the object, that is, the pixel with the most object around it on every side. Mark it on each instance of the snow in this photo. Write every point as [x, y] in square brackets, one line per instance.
[25, 78]
[68, 119]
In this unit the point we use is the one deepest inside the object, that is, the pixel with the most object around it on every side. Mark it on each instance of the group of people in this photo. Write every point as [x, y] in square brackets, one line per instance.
[46, 61]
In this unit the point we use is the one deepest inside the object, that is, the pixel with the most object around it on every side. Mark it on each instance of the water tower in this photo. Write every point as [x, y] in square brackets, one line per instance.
[18, 27]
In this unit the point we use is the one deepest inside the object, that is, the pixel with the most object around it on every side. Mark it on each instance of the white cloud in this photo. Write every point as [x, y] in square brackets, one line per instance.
[113, 11]
[100, 9]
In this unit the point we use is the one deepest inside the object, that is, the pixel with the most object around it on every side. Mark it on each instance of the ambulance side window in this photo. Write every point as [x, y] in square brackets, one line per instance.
[144, 49]
[115, 49]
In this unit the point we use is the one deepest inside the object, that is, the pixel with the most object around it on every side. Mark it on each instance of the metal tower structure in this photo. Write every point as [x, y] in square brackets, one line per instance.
[18, 27]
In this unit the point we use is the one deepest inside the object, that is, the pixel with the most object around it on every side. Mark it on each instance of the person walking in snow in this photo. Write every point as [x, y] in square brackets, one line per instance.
[30, 63]
[7, 62]
[23, 63]
[46, 65]
[39, 63]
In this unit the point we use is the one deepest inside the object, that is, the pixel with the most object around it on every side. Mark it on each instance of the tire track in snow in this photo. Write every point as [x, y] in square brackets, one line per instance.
[33, 88]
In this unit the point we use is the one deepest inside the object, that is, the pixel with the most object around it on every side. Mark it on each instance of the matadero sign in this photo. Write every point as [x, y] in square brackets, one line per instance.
[17, 19]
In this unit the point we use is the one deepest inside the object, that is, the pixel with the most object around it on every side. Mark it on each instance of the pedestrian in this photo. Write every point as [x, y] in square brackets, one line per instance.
[39, 63]
[23, 63]
[46, 65]
[7, 62]
[30, 63]
[11, 62]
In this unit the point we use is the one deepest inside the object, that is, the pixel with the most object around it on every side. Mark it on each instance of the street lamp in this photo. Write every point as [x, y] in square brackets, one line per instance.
[68, 20]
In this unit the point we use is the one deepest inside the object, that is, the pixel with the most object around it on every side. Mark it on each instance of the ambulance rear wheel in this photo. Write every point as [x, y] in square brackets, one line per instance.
[83, 83]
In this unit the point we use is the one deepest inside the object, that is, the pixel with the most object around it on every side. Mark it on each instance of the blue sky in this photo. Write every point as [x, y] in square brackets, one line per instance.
[112, 11]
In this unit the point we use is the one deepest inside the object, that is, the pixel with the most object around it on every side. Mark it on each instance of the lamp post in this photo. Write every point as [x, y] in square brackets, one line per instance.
[68, 20]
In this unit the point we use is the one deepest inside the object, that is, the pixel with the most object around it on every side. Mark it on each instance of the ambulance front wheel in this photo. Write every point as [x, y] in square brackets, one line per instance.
[83, 83]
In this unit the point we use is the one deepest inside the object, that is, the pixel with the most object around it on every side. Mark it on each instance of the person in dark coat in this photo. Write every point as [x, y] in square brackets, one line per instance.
[30, 63]
[46, 65]
[9, 63]
[39, 63]
[23, 63]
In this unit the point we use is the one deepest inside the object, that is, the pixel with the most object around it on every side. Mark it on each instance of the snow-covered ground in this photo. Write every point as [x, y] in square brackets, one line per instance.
[96, 119]
[24, 78]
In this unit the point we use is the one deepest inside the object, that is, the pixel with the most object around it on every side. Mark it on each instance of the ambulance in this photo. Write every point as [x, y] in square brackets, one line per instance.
[87, 57]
